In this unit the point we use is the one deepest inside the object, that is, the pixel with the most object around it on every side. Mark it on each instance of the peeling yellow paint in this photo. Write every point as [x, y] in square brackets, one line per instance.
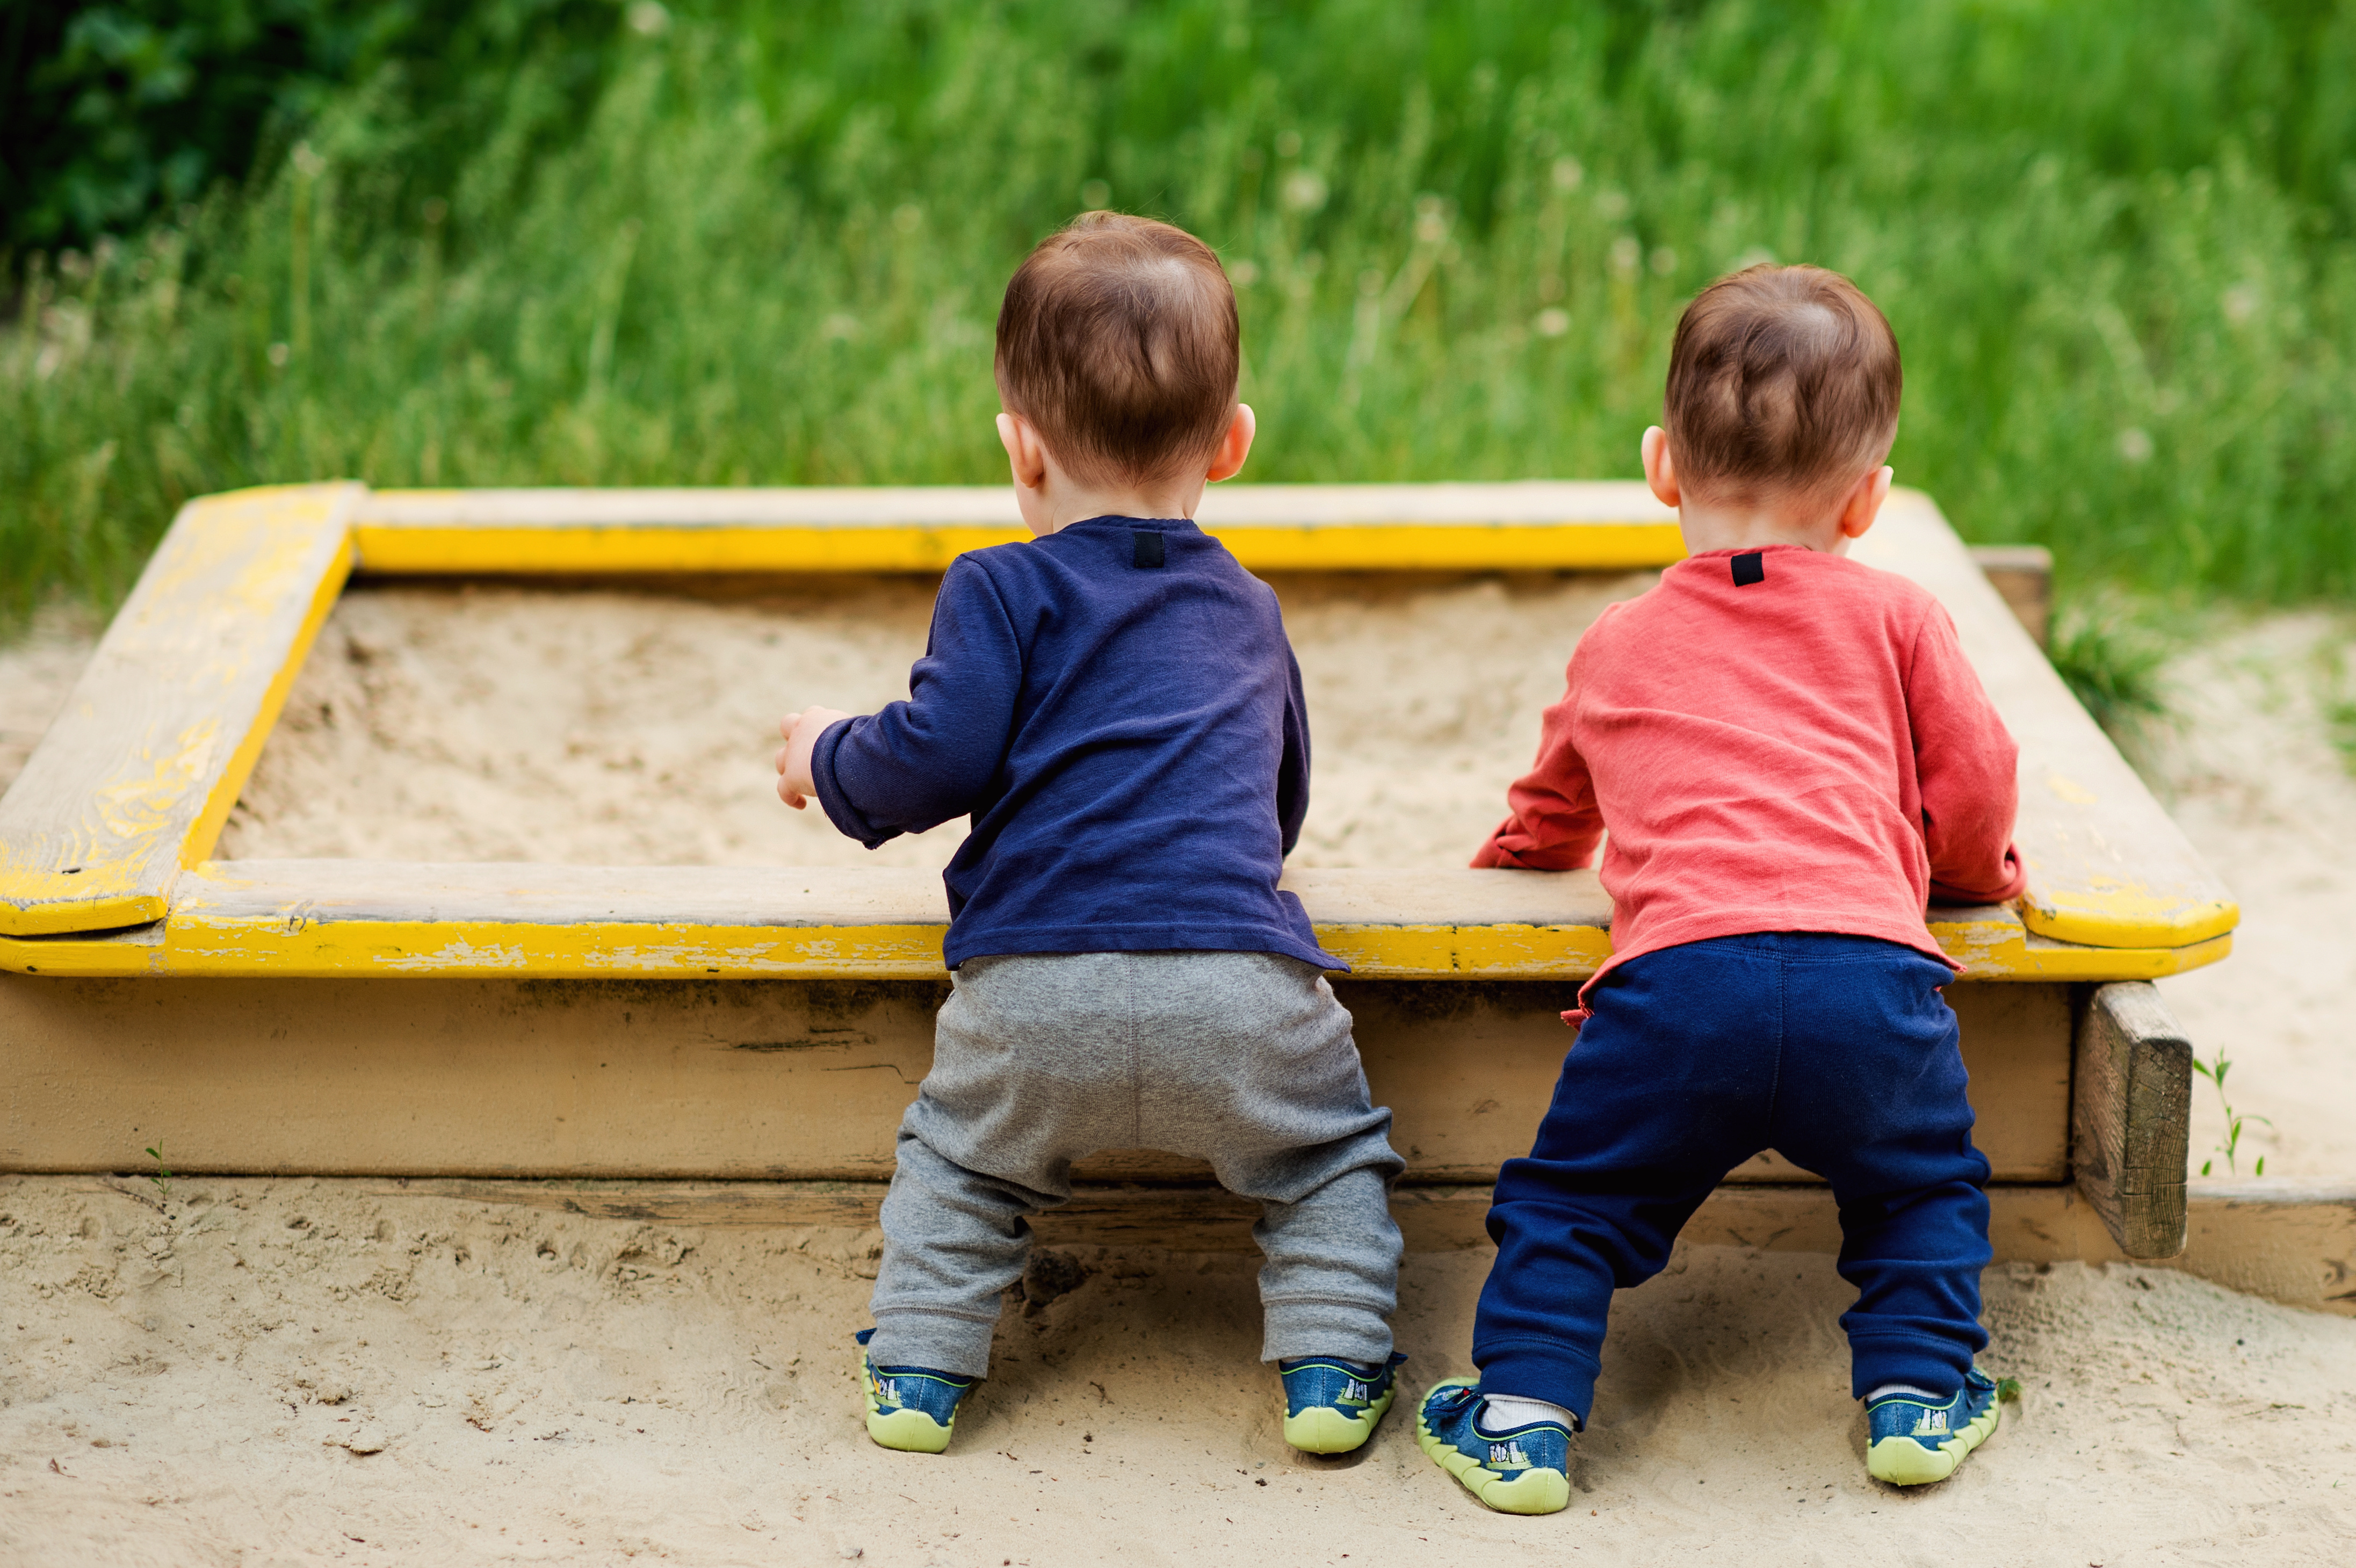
[2110, 913]
[175, 705]
[1473, 952]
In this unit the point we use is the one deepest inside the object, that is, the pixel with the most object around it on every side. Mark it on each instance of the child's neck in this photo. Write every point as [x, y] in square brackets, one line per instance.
[1709, 526]
[1060, 502]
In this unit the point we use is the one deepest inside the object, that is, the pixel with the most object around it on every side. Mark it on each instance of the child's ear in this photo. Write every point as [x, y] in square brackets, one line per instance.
[1026, 454]
[1660, 473]
[1864, 503]
[1228, 459]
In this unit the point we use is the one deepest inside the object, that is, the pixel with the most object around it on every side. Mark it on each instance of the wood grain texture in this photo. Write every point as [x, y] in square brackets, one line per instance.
[2108, 866]
[2131, 1117]
[133, 780]
[770, 1080]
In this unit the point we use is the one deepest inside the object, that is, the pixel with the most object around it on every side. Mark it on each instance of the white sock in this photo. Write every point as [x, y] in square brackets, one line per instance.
[1892, 1391]
[1502, 1413]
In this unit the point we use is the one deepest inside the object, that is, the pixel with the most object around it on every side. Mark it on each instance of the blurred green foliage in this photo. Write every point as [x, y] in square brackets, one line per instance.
[113, 113]
[2112, 654]
[732, 243]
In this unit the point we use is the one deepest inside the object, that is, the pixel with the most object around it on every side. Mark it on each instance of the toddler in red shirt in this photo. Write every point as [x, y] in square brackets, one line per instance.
[1790, 756]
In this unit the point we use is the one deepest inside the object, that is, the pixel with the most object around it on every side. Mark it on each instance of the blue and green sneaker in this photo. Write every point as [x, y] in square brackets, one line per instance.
[1912, 1440]
[1526, 1469]
[913, 1409]
[1333, 1407]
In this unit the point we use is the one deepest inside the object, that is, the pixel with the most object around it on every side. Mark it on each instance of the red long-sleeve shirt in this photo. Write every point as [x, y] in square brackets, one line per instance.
[1807, 752]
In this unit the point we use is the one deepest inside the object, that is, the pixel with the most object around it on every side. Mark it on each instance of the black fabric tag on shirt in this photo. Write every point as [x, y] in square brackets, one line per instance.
[1148, 548]
[1749, 569]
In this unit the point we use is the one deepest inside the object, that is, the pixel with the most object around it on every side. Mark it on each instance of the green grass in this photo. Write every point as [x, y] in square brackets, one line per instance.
[2114, 239]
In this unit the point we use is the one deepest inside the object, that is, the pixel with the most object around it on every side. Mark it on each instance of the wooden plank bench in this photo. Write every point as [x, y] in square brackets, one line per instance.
[712, 1024]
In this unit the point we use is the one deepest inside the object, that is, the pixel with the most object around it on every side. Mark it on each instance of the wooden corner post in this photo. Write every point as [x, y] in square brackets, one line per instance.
[2131, 1102]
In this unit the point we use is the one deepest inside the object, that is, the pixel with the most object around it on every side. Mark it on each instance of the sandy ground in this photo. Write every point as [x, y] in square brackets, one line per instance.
[2251, 771]
[301, 1372]
[484, 723]
[36, 669]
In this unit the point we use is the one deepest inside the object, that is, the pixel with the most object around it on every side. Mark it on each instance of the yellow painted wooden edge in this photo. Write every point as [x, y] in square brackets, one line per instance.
[440, 549]
[53, 907]
[1467, 952]
[53, 902]
[1998, 950]
[230, 782]
[193, 944]
[105, 957]
[2125, 915]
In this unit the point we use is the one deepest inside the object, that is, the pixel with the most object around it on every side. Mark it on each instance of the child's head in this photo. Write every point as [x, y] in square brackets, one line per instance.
[1117, 343]
[1783, 394]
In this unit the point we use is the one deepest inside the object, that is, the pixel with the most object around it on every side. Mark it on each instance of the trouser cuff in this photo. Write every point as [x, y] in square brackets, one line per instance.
[936, 1341]
[1540, 1369]
[1344, 1330]
[1920, 1360]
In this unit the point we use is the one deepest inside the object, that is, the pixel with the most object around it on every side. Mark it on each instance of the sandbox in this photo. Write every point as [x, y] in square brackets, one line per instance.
[736, 1039]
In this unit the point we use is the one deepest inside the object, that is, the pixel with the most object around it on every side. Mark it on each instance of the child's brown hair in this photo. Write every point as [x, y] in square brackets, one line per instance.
[1782, 381]
[1117, 339]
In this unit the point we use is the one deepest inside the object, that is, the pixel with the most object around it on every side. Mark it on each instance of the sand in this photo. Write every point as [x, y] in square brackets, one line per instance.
[36, 669]
[263, 1373]
[485, 722]
[297, 1371]
[2251, 771]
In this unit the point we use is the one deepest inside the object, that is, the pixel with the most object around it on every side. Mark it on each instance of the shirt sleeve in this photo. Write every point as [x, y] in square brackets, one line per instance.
[1554, 824]
[1967, 763]
[1292, 772]
[918, 763]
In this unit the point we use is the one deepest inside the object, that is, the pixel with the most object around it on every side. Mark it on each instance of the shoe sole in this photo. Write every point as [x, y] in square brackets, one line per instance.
[1321, 1429]
[908, 1431]
[1534, 1491]
[1904, 1462]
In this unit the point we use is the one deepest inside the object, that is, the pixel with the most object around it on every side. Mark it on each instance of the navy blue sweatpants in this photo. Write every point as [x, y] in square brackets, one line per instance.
[1840, 1053]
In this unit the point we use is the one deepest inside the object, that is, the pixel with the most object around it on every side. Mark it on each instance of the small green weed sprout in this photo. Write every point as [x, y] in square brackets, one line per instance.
[2214, 1071]
[2008, 1388]
[161, 1175]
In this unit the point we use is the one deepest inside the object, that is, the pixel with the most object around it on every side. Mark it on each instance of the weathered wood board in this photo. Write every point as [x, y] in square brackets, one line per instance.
[2108, 866]
[133, 780]
[294, 918]
[2131, 1117]
[1533, 524]
[785, 1079]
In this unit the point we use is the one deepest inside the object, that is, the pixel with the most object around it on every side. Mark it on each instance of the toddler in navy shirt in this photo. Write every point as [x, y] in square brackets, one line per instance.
[1115, 707]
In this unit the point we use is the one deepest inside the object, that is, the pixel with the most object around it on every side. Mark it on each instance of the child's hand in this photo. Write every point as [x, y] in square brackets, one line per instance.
[801, 731]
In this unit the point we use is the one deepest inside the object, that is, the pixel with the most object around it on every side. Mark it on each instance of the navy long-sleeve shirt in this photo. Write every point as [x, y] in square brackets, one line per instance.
[1116, 707]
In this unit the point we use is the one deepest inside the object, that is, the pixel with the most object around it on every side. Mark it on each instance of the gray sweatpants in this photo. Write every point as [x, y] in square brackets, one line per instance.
[1242, 1059]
